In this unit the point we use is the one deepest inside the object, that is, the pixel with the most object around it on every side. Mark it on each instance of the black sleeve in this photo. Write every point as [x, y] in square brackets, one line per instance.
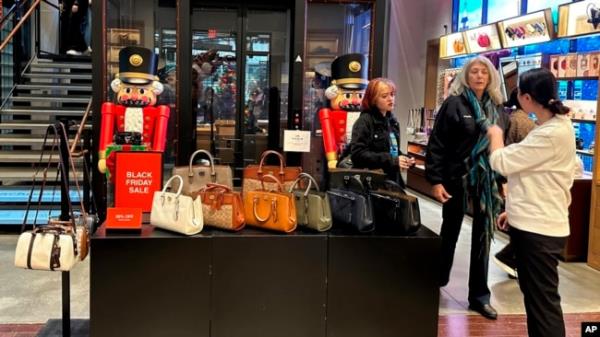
[362, 155]
[438, 140]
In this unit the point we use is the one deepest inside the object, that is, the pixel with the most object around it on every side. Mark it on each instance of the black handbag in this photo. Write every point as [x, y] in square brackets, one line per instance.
[371, 179]
[394, 210]
[351, 206]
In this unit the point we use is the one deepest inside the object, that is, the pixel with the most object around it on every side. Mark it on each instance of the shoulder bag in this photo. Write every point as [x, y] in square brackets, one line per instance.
[395, 211]
[274, 210]
[312, 205]
[197, 176]
[176, 212]
[351, 205]
[222, 207]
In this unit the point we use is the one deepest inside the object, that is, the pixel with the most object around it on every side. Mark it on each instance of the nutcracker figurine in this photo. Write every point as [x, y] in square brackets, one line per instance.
[133, 123]
[349, 80]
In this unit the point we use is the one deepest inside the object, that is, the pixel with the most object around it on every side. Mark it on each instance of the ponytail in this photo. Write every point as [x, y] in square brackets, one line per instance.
[540, 84]
[556, 107]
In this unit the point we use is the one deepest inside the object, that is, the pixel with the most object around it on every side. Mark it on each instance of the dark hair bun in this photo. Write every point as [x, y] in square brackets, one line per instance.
[556, 107]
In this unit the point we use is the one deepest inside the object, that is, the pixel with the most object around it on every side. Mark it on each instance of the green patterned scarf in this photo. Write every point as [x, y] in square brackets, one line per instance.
[480, 180]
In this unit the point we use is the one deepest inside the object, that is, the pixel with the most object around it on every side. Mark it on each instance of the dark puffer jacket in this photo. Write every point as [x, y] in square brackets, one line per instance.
[370, 146]
[454, 135]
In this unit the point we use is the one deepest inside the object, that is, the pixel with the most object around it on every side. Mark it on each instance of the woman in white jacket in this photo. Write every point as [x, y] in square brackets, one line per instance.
[540, 175]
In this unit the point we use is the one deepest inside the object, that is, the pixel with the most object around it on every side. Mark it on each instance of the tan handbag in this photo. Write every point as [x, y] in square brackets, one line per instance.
[274, 210]
[312, 206]
[196, 177]
[253, 174]
[222, 207]
[176, 212]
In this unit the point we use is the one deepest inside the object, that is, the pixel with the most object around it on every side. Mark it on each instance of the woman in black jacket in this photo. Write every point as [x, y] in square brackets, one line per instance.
[376, 133]
[457, 165]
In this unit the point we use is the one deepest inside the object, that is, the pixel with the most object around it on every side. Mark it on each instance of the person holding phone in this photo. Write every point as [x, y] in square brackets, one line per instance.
[540, 172]
[457, 166]
[376, 133]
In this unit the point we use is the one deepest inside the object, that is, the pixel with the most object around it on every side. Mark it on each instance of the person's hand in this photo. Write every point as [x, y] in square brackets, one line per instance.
[494, 131]
[502, 221]
[440, 194]
[74, 9]
[405, 162]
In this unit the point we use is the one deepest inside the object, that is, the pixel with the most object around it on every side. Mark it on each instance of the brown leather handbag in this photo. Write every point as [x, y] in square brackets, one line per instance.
[222, 207]
[196, 177]
[285, 175]
[274, 210]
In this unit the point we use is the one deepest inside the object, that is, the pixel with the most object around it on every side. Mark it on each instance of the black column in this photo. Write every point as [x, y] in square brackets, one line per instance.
[186, 119]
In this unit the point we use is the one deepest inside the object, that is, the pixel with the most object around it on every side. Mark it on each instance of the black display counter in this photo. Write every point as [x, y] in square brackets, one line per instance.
[261, 284]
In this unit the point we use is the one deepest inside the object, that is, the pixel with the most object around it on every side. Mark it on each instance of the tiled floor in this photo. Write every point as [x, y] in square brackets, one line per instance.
[34, 296]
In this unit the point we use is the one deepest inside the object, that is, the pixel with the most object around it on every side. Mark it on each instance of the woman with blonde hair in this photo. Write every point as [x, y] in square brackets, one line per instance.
[457, 166]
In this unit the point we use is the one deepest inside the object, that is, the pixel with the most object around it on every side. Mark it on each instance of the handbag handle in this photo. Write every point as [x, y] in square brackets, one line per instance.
[311, 181]
[214, 186]
[273, 210]
[211, 160]
[264, 156]
[394, 184]
[169, 183]
[273, 178]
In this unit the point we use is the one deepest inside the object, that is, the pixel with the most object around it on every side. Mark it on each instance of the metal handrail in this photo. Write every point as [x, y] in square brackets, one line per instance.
[18, 26]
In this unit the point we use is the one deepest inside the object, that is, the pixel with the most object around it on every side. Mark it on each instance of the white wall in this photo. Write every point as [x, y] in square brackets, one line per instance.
[411, 24]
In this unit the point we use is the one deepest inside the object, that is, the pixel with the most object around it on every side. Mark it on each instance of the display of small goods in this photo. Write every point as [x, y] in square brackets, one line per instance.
[577, 18]
[575, 65]
[452, 45]
[118, 38]
[527, 29]
[444, 81]
[482, 39]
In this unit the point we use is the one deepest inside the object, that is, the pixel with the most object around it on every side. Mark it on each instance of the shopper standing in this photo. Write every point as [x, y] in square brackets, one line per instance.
[457, 166]
[540, 173]
[520, 126]
[376, 133]
[73, 12]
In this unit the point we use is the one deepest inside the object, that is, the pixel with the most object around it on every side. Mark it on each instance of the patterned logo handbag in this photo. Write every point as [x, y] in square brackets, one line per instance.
[176, 212]
[196, 177]
[312, 205]
[253, 174]
[222, 207]
[268, 209]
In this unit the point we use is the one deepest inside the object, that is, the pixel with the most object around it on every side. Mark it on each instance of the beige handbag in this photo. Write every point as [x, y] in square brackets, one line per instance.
[312, 206]
[176, 212]
[253, 174]
[196, 177]
[222, 207]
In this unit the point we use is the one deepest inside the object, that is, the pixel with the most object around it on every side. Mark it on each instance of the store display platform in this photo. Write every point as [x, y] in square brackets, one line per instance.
[257, 283]
[53, 328]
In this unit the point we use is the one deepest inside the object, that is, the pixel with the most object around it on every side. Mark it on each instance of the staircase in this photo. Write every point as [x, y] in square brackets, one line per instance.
[51, 90]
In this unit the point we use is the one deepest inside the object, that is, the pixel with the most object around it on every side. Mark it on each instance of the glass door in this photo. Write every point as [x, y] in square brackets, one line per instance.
[239, 81]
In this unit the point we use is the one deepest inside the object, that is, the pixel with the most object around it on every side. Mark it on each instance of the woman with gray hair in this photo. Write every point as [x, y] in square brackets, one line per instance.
[457, 165]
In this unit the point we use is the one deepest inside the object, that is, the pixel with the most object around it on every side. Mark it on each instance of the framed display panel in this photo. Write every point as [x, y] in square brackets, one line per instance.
[579, 18]
[532, 28]
[482, 39]
[452, 45]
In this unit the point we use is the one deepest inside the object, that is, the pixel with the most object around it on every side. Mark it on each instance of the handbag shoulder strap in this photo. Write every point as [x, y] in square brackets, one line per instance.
[279, 156]
[211, 161]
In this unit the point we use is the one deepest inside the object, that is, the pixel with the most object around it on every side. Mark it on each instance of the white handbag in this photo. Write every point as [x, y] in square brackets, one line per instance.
[176, 212]
[46, 250]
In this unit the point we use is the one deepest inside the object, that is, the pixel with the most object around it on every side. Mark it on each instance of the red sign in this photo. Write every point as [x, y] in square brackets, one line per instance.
[137, 176]
[212, 33]
[123, 218]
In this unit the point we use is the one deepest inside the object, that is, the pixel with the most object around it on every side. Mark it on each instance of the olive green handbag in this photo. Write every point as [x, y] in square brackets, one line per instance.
[312, 206]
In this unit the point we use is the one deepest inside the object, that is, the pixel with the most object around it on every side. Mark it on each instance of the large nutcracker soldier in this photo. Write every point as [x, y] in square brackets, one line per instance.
[139, 124]
[349, 80]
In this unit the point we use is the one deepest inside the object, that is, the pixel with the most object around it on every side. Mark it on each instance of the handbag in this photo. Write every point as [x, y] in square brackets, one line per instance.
[274, 210]
[395, 211]
[253, 174]
[372, 179]
[351, 206]
[176, 212]
[222, 207]
[312, 206]
[60, 244]
[197, 176]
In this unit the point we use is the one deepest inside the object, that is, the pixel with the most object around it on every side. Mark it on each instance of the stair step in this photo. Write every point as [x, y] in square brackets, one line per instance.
[19, 139]
[41, 86]
[61, 65]
[23, 156]
[43, 111]
[25, 174]
[24, 125]
[50, 98]
[15, 217]
[20, 194]
[58, 75]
